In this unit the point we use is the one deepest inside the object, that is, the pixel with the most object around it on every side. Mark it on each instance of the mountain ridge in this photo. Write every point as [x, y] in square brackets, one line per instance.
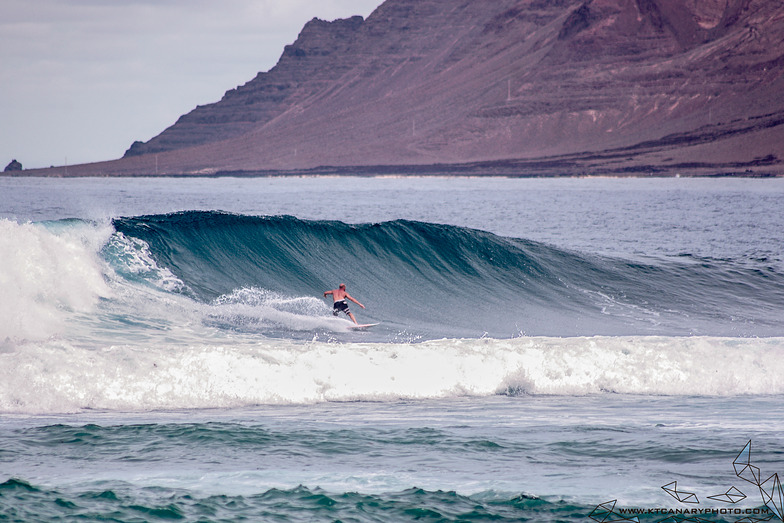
[535, 86]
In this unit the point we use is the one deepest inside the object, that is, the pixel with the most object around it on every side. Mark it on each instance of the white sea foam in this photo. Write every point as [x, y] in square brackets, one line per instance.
[254, 307]
[47, 273]
[132, 256]
[55, 377]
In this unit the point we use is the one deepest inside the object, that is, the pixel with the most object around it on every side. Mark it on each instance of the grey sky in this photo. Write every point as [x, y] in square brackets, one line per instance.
[80, 80]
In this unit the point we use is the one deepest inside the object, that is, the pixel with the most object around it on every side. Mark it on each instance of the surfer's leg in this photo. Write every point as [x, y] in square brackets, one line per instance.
[353, 318]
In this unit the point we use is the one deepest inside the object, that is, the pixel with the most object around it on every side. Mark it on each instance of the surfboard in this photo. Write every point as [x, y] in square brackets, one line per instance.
[363, 326]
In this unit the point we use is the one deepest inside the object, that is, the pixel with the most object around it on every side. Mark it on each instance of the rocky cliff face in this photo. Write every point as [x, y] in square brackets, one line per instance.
[309, 66]
[535, 86]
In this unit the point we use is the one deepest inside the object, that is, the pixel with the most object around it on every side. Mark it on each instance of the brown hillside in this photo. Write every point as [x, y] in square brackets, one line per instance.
[508, 86]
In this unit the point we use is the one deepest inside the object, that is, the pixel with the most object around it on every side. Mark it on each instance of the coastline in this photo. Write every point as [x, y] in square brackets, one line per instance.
[577, 167]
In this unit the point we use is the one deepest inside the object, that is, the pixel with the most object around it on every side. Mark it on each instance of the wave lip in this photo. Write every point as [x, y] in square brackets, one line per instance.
[37, 379]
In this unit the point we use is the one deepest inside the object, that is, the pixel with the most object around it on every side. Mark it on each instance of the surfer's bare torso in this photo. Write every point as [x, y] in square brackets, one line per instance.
[339, 297]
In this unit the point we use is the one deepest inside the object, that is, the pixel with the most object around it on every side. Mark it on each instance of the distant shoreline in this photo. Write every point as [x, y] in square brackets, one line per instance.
[510, 169]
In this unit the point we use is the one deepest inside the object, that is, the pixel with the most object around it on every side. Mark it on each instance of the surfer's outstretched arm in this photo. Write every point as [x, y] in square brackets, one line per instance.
[355, 301]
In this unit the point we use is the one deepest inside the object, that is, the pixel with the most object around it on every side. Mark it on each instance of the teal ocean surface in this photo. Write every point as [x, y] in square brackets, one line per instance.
[547, 350]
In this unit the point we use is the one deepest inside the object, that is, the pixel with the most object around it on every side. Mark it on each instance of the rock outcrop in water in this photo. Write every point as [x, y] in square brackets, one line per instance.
[539, 87]
[15, 165]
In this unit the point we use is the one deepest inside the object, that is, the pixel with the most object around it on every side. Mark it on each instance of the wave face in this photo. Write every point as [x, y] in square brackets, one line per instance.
[440, 280]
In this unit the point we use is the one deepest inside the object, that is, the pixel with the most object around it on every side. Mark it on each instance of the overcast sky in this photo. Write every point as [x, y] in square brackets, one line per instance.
[80, 80]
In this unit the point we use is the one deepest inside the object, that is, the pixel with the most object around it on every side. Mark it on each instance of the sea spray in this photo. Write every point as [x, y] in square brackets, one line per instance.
[47, 272]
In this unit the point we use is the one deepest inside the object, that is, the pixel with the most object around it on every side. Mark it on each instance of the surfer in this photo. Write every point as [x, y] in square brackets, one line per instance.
[339, 297]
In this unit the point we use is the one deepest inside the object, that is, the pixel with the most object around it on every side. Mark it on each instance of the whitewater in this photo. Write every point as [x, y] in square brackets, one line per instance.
[545, 347]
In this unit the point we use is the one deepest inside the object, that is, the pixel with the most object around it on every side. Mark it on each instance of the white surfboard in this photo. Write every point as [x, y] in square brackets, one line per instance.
[363, 326]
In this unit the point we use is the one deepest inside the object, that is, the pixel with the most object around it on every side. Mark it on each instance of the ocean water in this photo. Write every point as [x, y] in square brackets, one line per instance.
[547, 349]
